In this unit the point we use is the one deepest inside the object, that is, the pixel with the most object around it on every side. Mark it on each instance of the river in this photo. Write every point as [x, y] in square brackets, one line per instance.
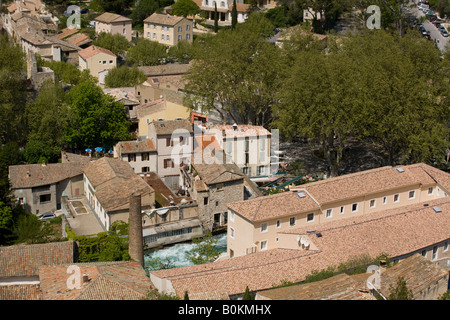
[177, 253]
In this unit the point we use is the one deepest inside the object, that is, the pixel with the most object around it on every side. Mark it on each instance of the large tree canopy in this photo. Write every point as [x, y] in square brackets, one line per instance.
[94, 119]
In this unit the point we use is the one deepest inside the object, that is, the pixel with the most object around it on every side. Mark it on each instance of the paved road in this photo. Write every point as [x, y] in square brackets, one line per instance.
[436, 36]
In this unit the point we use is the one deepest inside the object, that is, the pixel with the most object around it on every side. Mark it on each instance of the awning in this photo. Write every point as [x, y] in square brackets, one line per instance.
[171, 226]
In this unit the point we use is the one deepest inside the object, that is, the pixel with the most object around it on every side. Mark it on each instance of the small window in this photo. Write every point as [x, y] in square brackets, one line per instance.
[45, 198]
[263, 245]
[219, 186]
[342, 210]
[445, 246]
[278, 223]
[205, 201]
[188, 27]
[329, 213]
[154, 35]
[188, 36]
[231, 232]
[110, 62]
[372, 203]
[310, 217]
[424, 253]
[354, 207]
[145, 156]
[435, 253]
[292, 221]
[264, 227]
[396, 198]
[430, 190]
[180, 37]
[412, 194]
[384, 200]
[131, 157]
[145, 169]
[168, 163]
[169, 142]
[232, 216]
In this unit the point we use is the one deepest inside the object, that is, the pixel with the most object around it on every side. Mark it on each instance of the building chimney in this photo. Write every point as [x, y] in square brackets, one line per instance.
[135, 239]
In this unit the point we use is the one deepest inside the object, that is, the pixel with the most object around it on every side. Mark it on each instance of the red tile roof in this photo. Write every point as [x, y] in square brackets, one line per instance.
[94, 50]
[396, 232]
[25, 260]
[125, 280]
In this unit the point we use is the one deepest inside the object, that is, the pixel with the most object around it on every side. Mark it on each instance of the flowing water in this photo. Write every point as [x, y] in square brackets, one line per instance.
[177, 252]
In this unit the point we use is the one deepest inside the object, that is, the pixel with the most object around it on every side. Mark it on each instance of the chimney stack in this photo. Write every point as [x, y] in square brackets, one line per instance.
[135, 239]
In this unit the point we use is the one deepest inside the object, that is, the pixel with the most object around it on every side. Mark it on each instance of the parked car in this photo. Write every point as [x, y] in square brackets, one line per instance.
[444, 33]
[47, 216]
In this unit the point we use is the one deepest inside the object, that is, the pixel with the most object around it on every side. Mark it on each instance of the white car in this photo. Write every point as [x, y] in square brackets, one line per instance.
[47, 216]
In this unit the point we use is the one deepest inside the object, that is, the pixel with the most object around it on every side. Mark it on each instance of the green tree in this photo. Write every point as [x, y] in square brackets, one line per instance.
[64, 72]
[234, 16]
[95, 119]
[445, 296]
[248, 295]
[182, 52]
[115, 6]
[142, 10]
[400, 291]
[47, 119]
[204, 250]
[30, 230]
[249, 67]
[146, 53]
[116, 43]
[6, 217]
[216, 18]
[185, 8]
[124, 76]
[12, 92]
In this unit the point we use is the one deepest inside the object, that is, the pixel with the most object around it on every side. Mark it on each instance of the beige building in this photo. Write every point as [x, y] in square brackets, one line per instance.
[174, 218]
[108, 185]
[247, 146]
[264, 223]
[159, 110]
[398, 232]
[140, 154]
[97, 60]
[425, 279]
[168, 29]
[114, 24]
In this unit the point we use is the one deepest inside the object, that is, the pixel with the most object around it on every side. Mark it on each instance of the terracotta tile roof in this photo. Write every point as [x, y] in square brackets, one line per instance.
[145, 145]
[277, 205]
[109, 17]
[243, 130]
[163, 194]
[33, 175]
[94, 50]
[396, 232]
[125, 280]
[25, 260]
[367, 182]
[116, 195]
[164, 19]
[103, 170]
[218, 173]
[66, 33]
[20, 292]
[167, 127]
[418, 272]
[240, 7]
[339, 287]
[169, 69]
[150, 107]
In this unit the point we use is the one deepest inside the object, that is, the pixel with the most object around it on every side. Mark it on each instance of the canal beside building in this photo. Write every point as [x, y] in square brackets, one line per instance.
[177, 253]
